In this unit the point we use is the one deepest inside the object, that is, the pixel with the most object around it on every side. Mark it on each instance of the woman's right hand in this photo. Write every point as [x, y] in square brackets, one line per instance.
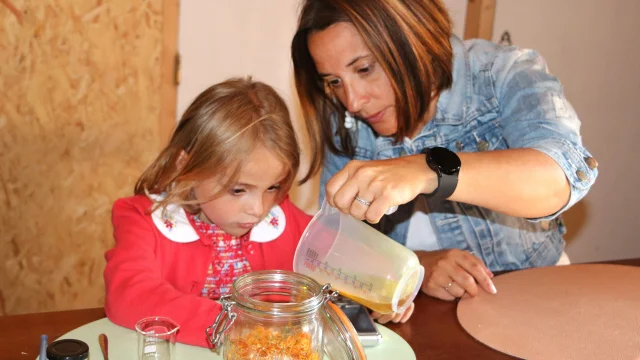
[451, 273]
[380, 185]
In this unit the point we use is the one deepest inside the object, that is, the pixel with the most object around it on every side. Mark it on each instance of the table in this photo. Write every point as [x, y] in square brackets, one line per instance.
[433, 331]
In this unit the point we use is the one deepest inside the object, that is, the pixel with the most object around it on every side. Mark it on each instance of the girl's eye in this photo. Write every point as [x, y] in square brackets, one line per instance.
[274, 188]
[237, 191]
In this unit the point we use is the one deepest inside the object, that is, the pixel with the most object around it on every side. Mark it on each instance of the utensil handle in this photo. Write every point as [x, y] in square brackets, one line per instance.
[104, 345]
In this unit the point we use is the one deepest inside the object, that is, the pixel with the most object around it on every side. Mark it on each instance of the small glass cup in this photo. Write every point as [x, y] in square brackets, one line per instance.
[157, 338]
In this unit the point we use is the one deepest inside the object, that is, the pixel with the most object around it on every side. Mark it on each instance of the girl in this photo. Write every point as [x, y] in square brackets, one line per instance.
[211, 207]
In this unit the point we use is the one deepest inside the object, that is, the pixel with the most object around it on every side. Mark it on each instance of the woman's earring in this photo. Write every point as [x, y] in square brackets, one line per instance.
[349, 120]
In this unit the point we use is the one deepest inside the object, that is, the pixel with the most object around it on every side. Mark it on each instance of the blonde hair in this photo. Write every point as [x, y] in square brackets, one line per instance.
[223, 124]
[411, 41]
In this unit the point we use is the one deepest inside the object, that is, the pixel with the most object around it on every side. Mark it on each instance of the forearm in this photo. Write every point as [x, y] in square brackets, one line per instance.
[131, 297]
[518, 182]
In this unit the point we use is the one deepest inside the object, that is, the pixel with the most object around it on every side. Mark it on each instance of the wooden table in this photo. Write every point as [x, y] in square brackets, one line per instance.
[433, 331]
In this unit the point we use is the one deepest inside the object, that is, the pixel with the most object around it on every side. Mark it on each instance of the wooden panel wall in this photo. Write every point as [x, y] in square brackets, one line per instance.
[479, 20]
[81, 115]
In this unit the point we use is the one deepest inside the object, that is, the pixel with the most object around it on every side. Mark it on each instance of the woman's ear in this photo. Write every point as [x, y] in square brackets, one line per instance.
[182, 159]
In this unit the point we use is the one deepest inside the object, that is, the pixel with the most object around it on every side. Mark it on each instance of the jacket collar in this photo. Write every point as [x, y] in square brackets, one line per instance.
[454, 102]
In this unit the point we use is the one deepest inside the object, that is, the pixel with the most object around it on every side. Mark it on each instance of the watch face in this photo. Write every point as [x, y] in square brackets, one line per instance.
[447, 160]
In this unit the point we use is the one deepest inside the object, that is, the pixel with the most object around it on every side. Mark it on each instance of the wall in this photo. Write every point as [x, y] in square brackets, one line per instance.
[79, 118]
[225, 38]
[593, 49]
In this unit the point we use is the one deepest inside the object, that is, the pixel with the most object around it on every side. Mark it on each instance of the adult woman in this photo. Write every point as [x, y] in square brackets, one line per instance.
[476, 142]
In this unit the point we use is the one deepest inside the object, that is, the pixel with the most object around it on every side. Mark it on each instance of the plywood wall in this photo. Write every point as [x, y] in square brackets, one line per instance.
[80, 108]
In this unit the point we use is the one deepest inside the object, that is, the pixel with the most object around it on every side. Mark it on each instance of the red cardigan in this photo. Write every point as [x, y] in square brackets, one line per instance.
[147, 274]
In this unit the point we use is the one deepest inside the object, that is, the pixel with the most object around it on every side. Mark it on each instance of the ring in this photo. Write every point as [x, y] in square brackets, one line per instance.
[362, 201]
[448, 285]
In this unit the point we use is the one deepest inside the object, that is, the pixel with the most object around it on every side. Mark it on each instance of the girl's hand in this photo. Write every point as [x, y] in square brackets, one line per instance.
[382, 183]
[451, 273]
[395, 317]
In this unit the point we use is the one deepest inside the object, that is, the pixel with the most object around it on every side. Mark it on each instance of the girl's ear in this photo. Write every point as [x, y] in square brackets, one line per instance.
[182, 159]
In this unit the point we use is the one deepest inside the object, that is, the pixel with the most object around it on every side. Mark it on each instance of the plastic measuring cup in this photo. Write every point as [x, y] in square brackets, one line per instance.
[360, 262]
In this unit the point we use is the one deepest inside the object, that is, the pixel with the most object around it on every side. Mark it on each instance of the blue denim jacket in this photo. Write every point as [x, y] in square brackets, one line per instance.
[501, 98]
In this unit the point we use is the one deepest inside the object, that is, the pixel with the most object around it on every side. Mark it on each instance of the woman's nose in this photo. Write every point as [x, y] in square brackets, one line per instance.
[355, 98]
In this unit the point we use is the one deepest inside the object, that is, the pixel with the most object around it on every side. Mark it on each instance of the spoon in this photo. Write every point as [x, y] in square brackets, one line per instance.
[104, 345]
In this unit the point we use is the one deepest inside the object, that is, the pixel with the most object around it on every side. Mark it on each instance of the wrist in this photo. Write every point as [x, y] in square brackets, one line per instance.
[446, 166]
[423, 256]
[430, 179]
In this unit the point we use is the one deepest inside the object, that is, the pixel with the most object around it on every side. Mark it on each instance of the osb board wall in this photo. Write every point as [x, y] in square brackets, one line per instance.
[80, 105]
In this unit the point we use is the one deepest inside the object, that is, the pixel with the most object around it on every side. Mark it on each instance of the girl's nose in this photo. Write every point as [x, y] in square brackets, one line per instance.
[255, 207]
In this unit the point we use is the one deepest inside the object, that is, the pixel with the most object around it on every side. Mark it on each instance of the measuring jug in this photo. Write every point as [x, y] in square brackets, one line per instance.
[360, 262]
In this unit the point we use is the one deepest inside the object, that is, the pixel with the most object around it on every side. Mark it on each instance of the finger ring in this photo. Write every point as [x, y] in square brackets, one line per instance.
[448, 285]
[362, 201]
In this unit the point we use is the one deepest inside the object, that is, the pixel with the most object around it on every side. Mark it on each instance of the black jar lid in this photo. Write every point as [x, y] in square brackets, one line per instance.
[68, 349]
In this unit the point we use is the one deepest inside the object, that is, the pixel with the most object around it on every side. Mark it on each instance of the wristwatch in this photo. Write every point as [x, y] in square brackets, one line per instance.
[446, 164]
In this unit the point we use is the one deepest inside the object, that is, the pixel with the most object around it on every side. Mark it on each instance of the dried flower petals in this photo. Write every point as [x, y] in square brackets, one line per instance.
[264, 344]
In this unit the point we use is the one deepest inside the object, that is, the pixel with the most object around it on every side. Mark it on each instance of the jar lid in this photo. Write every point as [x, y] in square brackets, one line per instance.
[341, 340]
[68, 349]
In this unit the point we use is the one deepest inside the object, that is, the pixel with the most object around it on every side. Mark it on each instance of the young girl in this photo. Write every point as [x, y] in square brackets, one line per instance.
[210, 208]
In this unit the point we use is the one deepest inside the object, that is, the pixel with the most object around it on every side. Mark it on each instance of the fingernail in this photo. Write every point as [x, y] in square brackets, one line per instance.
[493, 288]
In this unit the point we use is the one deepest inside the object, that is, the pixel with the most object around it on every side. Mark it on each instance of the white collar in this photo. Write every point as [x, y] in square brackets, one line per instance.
[174, 224]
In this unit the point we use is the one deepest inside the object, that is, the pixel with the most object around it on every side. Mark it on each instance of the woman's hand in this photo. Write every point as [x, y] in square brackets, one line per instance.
[382, 183]
[451, 273]
[395, 317]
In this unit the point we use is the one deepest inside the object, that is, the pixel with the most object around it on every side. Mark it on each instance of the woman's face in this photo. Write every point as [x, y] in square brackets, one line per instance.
[354, 76]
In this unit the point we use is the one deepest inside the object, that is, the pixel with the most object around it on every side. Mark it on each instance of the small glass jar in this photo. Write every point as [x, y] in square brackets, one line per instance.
[68, 349]
[282, 315]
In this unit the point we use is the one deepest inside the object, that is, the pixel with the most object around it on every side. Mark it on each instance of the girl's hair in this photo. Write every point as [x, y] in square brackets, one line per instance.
[409, 38]
[220, 128]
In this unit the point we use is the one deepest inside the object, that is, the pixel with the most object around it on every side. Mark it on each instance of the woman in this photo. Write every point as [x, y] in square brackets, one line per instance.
[474, 141]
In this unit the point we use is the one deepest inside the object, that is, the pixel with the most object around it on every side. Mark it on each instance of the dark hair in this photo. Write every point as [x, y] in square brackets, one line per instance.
[409, 38]
[223, 124]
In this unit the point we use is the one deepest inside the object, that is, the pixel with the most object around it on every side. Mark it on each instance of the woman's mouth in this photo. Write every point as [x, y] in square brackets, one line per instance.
[375, 117]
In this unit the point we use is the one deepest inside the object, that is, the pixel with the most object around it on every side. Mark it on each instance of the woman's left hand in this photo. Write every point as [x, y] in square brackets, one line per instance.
[381, 183]
[395, 317]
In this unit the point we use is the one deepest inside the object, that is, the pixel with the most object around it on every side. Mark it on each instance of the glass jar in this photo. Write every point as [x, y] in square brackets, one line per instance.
[68, 349]
[282, 315]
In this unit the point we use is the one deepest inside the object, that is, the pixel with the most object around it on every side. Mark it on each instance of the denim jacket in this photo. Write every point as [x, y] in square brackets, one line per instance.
[501, 98]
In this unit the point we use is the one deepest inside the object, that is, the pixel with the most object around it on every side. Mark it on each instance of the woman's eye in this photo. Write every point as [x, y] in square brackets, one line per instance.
[333, 83]
[237, 191]
[364, 70]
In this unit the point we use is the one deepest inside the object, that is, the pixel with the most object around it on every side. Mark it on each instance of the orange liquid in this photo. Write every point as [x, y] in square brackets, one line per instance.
[372, 291]
[381, 307]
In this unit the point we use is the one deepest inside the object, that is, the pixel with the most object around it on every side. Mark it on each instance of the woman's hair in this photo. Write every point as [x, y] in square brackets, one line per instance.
[224, 124]
[409, 38]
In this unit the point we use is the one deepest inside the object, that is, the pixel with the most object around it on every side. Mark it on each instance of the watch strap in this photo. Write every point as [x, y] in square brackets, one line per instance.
[447, 183]
[446, 186]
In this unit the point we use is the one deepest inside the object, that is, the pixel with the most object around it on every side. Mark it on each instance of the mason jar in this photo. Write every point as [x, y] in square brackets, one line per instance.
[282, 315]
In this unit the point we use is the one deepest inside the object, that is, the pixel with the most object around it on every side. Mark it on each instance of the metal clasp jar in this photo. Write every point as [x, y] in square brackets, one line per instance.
[277, 314]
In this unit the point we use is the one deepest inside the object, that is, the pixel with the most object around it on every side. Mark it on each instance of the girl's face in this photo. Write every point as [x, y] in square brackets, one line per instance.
[354, 76]
[248, 201]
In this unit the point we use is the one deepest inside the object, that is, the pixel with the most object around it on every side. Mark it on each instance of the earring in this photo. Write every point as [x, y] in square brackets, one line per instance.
[349, 120]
